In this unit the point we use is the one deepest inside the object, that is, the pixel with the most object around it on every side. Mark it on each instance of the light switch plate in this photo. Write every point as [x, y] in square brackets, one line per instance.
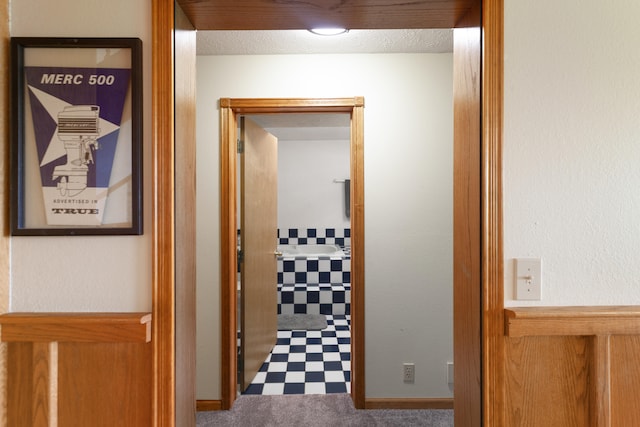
[528, 279]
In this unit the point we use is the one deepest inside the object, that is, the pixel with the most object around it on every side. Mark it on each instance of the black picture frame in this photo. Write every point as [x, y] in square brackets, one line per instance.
[76, 136]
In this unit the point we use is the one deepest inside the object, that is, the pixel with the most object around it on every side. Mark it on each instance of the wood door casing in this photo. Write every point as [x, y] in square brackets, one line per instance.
[230, 110]
[258, 230]
[185, 224]
[163, 215]
[467, 271]
[299, 15]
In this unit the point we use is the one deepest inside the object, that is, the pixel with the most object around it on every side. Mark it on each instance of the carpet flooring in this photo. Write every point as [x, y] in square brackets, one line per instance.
[317, 411]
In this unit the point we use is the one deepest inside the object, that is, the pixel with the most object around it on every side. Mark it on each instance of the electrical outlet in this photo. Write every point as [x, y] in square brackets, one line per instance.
[409, 372]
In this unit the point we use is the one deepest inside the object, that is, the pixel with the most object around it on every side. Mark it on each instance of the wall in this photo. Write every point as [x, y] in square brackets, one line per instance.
[408, 200]
[104, 273]
[307, 195]
[571, 149]
[4, 192]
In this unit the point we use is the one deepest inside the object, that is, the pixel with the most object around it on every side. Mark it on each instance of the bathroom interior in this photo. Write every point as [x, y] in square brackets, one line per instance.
[312, 352]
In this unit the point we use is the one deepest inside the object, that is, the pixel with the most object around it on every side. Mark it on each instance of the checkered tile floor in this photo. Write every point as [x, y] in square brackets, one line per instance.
[308, 362]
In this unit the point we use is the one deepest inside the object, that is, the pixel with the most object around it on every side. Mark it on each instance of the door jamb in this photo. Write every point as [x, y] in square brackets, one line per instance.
[230, 109]
[490, 222]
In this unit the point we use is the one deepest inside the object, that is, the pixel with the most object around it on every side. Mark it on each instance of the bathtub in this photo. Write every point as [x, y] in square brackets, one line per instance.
[310, 251]
[314, 279]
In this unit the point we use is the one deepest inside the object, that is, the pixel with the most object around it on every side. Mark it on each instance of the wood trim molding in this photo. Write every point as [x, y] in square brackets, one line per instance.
[408, 403]
[228, 261]
[600, 397]
[76, 327]
[358, 390]
[208, 405]
[572, 321]
[467, 240]
[295, 15]
[185, 220]
[290, 105]
[492, 299]
[163, 208]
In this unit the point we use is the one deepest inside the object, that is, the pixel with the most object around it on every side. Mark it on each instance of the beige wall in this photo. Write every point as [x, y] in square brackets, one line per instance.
[87, 273]
[572, 148]
[408, 164]
[117, 274]
[4, 153]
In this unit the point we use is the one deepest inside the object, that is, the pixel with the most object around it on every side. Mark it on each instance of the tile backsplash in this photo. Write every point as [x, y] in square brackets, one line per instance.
[313, 236]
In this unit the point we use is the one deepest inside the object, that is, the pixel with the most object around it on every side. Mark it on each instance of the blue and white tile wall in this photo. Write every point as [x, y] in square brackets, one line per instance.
[319, 284]
[313, 236]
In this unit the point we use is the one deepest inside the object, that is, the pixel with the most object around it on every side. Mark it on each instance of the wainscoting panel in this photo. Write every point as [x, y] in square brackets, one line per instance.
[109, 379]
[572, 366]
[78, 369]
[547, 381]
[20, 386]
[625, 380]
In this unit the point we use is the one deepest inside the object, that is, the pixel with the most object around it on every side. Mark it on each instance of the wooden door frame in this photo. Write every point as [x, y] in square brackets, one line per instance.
[230, 110]
[488, 222]
[163, 215]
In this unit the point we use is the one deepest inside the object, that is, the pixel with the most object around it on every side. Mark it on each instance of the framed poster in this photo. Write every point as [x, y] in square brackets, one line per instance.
[76, 136]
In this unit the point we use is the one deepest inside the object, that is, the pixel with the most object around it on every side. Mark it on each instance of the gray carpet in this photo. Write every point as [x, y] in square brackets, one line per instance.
[317, 411]
[302, 322]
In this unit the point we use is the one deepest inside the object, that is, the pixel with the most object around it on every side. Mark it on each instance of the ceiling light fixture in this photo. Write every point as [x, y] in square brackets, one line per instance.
[328, 31]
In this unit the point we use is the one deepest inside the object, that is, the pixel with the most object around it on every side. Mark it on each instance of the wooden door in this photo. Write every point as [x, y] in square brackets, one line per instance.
[258, 225]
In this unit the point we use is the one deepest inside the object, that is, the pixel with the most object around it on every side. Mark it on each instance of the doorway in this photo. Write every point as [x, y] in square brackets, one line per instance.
[308, 351]
[230, 112]
[479, 219]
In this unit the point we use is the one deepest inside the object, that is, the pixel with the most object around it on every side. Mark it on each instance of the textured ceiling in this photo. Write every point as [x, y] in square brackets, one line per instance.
[302, 41]
[306, 127]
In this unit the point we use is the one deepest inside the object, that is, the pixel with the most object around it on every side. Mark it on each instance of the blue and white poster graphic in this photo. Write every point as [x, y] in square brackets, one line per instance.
[76, 115]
